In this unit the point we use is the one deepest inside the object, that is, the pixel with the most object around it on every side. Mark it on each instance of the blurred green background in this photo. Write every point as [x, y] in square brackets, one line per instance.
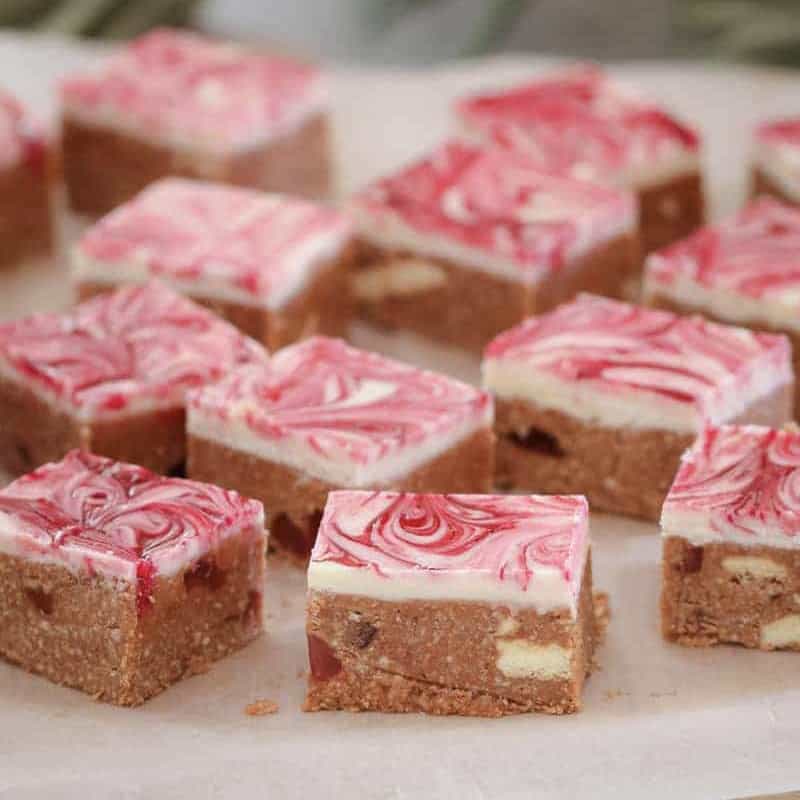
[407, 31]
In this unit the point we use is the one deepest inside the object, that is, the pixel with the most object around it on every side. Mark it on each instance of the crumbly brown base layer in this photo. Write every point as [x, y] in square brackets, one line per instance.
[760, 184]
[86, 632]
[709, 598]
[620, 470]
[470, 307]
[670, 211]
[26, 224]
[657, 300]
[294, 501]
[440, 657]
[104, 168]
[324, 308]
[33, 433]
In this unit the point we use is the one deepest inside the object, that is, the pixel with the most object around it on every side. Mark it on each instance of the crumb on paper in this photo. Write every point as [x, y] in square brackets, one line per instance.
[301, 673]
[671, 693]
[260, 708]
[613, 694]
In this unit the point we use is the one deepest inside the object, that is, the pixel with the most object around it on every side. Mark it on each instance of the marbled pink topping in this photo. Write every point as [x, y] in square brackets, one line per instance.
[614, 346]
[744, 481]
[214, 236]
[344, 404]
[507, 537]
[784, 132]
[136, 348]
[21, 137]
[184, 88]
[579, 122]
[755, 253]
[498, 204]
[95, 515]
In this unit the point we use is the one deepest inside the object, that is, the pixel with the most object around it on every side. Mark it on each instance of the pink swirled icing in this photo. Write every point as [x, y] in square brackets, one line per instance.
[616, 347]
[180, 86]
[22, 139]
[341, 404]
[755, 253]
[785, 132]
[103, 517]
[508, 539]
[139, 347]
[494, 204]
[579, 122]
[221, 238]
[741, 483]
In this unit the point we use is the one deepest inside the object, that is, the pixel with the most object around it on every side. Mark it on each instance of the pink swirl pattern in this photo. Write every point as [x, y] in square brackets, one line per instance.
[193, 231]
[616, 347]
[344, 403]
[119, 520]
[746, 479]
[177, 85]
[579, 122]
[783, 132]
[140, 346]
[755, 253]
[22, 139]
[498, 202]
[508, 537]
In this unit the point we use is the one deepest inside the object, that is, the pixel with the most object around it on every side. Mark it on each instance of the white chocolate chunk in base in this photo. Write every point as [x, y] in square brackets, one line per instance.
[784, 632]
[755, 567]
[508, 626]
[522, 658]
[398, 277]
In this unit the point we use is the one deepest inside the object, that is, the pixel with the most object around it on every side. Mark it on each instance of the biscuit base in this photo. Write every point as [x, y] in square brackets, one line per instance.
[444, 657]
[724, 593]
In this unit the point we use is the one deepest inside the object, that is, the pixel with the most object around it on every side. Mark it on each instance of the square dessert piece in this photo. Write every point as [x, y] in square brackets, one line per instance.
[26, 174]
[322, 416]
[175, 103]
[775, 161]
[582, 123]
[275, 266]
[602, 398]
[450, 604]
[120, 582]
[731, 532]
[110, 376]
[745, 270]
[468, 242]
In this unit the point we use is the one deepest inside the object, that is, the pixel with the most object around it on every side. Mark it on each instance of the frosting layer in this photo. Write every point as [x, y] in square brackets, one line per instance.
[745, 269]
[738, 484]
[776, 152]
[213, 241]
[183, 90]
[125, 352]
[97, 516]
[521, 549]
[619, 365]
[345, 416]
[22, 139]
[492, 210]
[581, 123]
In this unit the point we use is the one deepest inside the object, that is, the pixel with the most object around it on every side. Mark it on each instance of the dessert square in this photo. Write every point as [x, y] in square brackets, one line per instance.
[275, 266]
[468, 242]
[110, 376]
[581, 122]
[321, 415]
[744, 270]
[175, 103]
[731, 539]
[601, 398]
[450, 604]
[119, 582]
[26, 176]
[775, 160]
